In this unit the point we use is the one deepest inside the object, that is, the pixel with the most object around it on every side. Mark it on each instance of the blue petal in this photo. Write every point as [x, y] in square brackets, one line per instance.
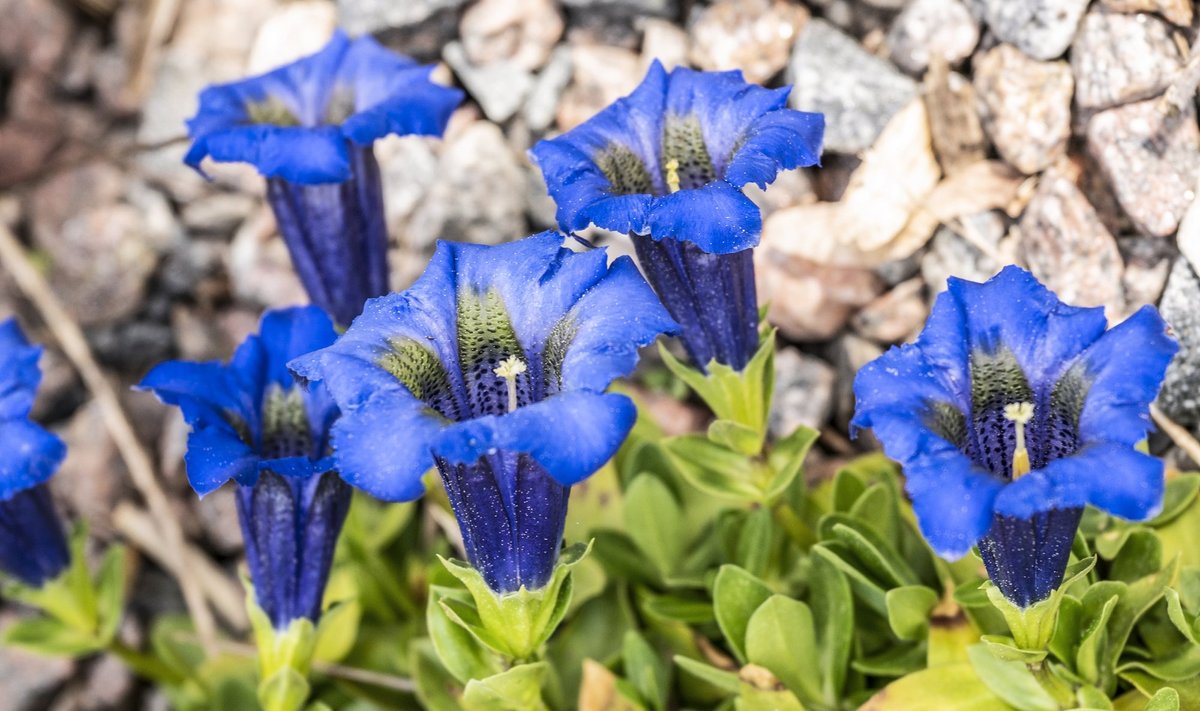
[205, 392]
[216, 454]
[718, 218]
[725, 105]
[29, 455]
[19, 372]
[571, 435]
[1112, 477]
[903, 382]
[1126, 367]
[293, 153]
[384, 448]
[780, 140]
[290, 333]
[1013, 310]
[607, 341]
[33, 548]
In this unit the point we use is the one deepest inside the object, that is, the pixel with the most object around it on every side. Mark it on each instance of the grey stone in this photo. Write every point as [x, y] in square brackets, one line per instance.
[500, 87]
[895, 316]
[1147, 265]
[755, 36]
[950, 254]
[1025, 106]
[1043, 29]
[218, 518]
[662, 8]
[857, 91]
[1179, 397]
[369, 16]
[1067, 247]
[1152, 159]
[548, 89]
[803, 392]
[926, 28]
[219, 213]
[1120, 58]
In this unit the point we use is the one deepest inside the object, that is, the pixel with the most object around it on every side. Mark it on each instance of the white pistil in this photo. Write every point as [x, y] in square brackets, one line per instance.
[672, 170]
[1019, 413]
[509, 369]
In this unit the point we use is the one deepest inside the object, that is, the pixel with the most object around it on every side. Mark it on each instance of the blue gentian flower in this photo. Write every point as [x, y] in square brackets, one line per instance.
[308, 127]
[667, 165]
[253, 423]
[1009, 414]
[492, 367]
[33, 548]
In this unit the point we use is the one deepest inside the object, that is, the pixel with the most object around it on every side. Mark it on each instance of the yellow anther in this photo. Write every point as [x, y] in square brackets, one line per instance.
[509, 369]
[672, 170]
[1019, 413]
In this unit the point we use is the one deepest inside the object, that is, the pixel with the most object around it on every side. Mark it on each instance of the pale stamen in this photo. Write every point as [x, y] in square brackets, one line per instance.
[1019, 413]
[509, 369]
[672, 170]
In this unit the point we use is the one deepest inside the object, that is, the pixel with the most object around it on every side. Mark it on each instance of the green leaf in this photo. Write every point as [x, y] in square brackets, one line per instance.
[721, 679]
[1099, 603]
[736, 595]
[646, 670]
[1188, 691]
[782, 638]
[110, 593]
[895, 661]
[435, 688]
[654, 520]
[689, 611]
[1033, 627]
[50, 636]
[839, 556]
[337, 630]
[1178, 496]
[518, 689]
[1165, 699]
[284, 690]
[875, 555]
[755, 542]
[754, 699]
[1181, 666]
[1006, 650]
[1139, 556]
[735, 436]
[1188, 626]
[833, 609]
[714, 468]
[1010, 681]
[786, 460]
[953, 687]
[908, 610]
[459, 651]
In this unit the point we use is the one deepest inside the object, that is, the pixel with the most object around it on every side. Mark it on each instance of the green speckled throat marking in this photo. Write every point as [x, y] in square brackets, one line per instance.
[271, 111]
[421, 371]
[683, 141]
[996, 380]
[340, 106]
[486, 337]
[555, 353]
[285, 428]
[950, 424]
[624, 170]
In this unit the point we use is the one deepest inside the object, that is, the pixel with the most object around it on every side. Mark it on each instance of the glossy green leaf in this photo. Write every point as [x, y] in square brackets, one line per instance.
[646, 670]
[1165, 699]
[654, 520]
[715, 469]
[49, 636]
[459, 651]
[1011, 681]
[720, 678]
[755, 542]
[953, 687]
[786, 460]
[908, 610]
[781, 637]
[833, 611]
[736, 595]
[517, 689]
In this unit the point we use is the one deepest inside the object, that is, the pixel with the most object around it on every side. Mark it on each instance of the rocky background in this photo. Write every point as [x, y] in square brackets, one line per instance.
[962, 135]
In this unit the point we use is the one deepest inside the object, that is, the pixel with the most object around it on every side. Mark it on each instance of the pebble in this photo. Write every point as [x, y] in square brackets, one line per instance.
[1119, 58]
[500, 87]
[295, 30]
[1025, 106]
[664, 41]
[1152, 160]
[894, 316]
[218, 213]
[803, 392]
[29, 681]
[1147, 265]
[1043, 29]
[810, 301]
[857, 91]
[548, 89]
[37, 34]
[926, 28]
[92, 477]
[755, 36]
[1179, 397]
[951, 254]
[954, 126]
[601, 74]
[523, 32]
[360, 17]
[1178, 12]
[1065, 245]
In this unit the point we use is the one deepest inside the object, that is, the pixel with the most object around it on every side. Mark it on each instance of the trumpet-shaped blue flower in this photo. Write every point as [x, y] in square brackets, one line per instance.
[253, 423]
[492, 368]
[33, 548]
[308, 127]
[1010, 413]
[667, 165]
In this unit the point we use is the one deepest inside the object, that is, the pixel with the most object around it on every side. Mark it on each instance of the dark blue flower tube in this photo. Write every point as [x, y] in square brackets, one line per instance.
[1010, 413]
[667, 165]
[308, 127]
[492, 367]
[253, 423]
[33, 548]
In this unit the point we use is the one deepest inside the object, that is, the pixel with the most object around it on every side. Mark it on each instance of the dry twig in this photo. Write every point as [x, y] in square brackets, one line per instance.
[1178, 433]
[75, 346]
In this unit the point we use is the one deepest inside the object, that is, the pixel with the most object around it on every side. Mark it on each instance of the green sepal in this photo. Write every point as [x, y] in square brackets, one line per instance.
[1033, 627]
[514, 625]
[83, 612]
[517, 689]
[284, 657]
[741, 400]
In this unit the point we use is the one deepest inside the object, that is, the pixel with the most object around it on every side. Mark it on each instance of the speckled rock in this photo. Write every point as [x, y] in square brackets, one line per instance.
[1043, 29]
[755, 36]
[857, 91]
[369, 16]
[1118, 58]
[1025, 106]
[1180, 307]
[926, 28]
[1152, 160]
[1178, 12]
[895, 316]
[803, 392]
[500, 87]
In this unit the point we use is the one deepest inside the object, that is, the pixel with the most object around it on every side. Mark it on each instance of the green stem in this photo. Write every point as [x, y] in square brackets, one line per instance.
[793, 525]
[145, 665]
